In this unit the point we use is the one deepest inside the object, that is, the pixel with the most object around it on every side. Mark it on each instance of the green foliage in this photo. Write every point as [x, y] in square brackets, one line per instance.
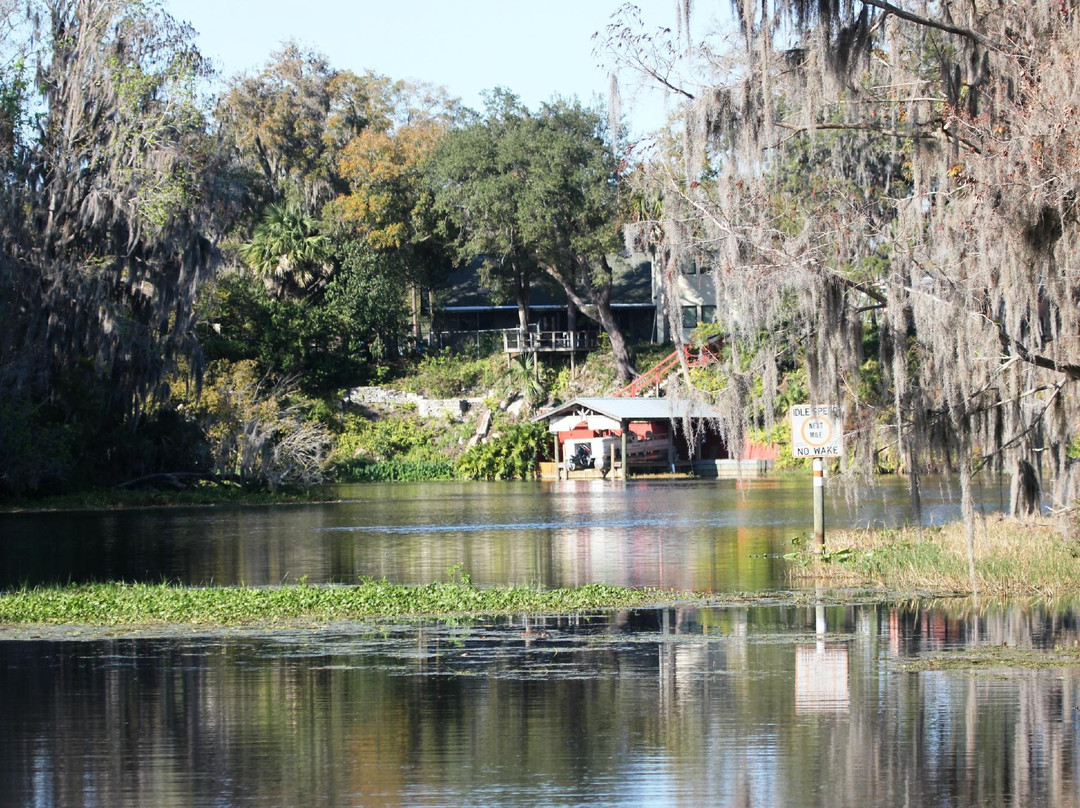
[242, 322]
[396, 471]
[71, 439]
[871, 381]
[528, 378]
[513, 455]
[117, 604]
[329, 341]
[288, 247]
[34, 450]
[449, 375]
[407, 439]
[14, 92]
[793, 390]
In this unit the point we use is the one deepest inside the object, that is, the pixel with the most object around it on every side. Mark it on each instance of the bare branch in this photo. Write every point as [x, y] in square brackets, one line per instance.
[926, 22]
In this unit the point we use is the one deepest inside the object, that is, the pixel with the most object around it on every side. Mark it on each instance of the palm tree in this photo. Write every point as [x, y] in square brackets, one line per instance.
[288, 249]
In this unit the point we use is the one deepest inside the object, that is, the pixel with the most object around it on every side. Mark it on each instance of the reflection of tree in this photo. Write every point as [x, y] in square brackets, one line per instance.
[698, 705]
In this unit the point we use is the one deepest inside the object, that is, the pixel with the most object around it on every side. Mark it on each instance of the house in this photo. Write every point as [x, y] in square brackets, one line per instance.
[469, 314]
[696, 300]
[626, 436]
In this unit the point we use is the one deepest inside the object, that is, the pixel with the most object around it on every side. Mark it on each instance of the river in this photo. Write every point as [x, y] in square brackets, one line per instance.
[737, 706]
[717, 535]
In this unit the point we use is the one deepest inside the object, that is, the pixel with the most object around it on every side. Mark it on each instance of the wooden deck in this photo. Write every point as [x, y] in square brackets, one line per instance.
[516, 341]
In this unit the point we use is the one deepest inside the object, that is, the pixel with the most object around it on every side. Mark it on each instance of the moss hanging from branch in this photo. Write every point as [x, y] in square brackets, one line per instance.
[859, 165]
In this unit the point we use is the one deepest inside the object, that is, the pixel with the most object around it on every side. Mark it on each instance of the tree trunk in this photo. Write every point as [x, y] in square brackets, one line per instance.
[1025, 493]
[434, 330]
[522, 293]
[623, 364]
[414, 300]
[598, 307]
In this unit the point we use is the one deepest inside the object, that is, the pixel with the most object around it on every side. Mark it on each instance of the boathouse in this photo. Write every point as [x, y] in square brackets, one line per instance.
[626, 436]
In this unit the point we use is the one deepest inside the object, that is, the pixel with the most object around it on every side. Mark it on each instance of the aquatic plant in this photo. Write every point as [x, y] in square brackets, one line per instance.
[122, 604]
[397, 471]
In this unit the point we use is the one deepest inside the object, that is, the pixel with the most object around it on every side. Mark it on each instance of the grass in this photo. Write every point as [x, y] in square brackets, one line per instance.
[119, 604]
[1012, 561]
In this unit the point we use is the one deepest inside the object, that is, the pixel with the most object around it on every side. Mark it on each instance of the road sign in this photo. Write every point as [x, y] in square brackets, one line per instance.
[816, 431]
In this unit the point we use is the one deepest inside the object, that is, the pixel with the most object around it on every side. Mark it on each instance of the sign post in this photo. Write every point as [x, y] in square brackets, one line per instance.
[817, 432]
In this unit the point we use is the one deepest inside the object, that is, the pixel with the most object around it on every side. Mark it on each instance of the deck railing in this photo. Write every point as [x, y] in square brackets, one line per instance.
[517, 341]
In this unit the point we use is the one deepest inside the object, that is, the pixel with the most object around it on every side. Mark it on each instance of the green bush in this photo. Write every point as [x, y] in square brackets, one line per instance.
[514, 455]
[447, 375]
[33, 451]
[401, 438]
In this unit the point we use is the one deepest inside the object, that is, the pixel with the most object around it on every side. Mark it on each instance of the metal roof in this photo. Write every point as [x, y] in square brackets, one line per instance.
[633, 409]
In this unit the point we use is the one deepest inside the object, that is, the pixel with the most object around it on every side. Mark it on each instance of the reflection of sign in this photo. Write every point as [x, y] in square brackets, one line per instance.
[821, 679]
[816, 431]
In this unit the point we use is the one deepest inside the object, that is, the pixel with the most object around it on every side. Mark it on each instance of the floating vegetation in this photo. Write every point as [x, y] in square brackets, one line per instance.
[993, 659]
[121, 604]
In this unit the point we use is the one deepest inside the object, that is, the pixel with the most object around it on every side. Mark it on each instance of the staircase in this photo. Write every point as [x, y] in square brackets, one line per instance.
[695, 357]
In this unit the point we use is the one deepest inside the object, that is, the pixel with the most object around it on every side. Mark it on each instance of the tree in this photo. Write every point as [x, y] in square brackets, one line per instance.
[333, 338]
[108, 204]
[288, 250]
[388, 204]
[938, 209]
[287, 123]
[536, 193]
[478, 175]
[570, 212]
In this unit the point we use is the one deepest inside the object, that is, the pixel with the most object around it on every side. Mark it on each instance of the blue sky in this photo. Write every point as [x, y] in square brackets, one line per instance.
[536, 49]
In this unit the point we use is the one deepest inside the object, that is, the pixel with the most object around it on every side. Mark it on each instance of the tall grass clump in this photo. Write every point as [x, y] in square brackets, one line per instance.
[1012, 560]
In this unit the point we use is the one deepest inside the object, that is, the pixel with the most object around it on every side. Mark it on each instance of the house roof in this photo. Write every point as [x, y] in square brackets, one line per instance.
[632, 409]
[631, 286]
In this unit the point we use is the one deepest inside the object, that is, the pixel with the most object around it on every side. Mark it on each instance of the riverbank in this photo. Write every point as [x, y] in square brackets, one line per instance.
[113, 499]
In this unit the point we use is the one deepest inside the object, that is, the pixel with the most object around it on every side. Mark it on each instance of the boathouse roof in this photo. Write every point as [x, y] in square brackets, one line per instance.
[630, 409]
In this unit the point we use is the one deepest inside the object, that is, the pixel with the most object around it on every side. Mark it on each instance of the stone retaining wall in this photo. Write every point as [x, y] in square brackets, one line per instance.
[398, 399]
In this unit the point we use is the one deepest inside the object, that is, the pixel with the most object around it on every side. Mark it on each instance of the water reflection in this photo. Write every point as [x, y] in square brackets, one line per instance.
[710, 535]
[728, 707]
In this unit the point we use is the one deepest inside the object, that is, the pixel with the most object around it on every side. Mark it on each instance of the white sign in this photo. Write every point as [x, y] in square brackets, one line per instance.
[816, 431]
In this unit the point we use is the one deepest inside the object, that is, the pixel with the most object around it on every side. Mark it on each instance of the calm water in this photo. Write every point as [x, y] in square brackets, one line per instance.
[719, 535]
[729, 707]
[763, 706]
